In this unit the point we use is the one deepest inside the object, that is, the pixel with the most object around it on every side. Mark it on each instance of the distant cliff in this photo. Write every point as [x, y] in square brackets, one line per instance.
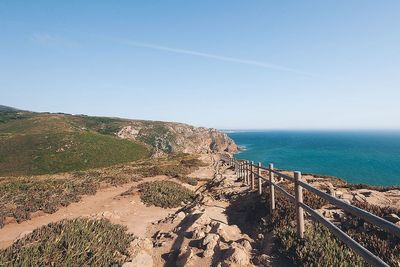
[167, 137]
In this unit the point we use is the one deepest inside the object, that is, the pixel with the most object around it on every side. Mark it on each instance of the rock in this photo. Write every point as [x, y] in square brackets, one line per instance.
[359, 198]
[338, 193]
[142, 259]
[202, 220]
[237, 254]
[210, 242]
[198, 234]
[392, 218]
[229, 232]
[184, 257]
[246, 244]
[339, 215]
[208, 229]
[138, 245]
[180, 215]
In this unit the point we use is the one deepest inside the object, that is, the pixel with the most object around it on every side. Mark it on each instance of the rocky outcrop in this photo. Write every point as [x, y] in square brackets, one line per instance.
[167, 137]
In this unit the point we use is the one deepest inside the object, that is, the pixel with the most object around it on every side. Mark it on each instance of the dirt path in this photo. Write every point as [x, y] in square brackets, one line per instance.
[107, 203]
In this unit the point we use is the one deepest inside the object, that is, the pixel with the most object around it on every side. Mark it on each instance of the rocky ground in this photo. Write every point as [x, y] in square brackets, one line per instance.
[203, 233]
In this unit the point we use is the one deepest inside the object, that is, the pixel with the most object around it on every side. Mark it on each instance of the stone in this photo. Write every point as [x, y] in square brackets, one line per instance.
[203, 219]
[229, 232]
[210, 242]
[237, 254]
[359, 198]
[198, 234]
[180, 215]
[246, 244]
[138, 245]
[185, 255]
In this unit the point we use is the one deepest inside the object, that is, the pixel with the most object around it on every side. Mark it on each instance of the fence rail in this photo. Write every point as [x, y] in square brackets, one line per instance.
[248, 171]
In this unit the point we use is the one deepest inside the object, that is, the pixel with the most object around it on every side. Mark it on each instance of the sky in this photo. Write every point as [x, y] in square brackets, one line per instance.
[227, 64]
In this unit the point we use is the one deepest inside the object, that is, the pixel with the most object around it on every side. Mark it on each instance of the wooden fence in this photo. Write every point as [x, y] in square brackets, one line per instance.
[248, 171]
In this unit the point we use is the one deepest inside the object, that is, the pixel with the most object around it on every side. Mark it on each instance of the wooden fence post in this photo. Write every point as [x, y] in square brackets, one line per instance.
[259, 179]
[252, 175]
[298, 190]
[245, 171]
[271, 186]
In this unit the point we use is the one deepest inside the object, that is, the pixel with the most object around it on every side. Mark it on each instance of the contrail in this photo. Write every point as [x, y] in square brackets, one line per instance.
[212, 56]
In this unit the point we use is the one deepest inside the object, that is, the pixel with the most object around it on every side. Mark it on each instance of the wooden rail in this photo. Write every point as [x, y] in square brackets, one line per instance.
[248, 172]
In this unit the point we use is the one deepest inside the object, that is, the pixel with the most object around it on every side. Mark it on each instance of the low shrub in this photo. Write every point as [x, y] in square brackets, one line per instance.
[78, 242]
[188, 180]
[320, 247]
[166, 194]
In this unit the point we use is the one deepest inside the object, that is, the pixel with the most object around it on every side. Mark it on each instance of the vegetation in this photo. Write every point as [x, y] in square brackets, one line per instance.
[78, 242]
[19, 197]
[62, 152]
[166, 194]
[38, 143]
[320, 245]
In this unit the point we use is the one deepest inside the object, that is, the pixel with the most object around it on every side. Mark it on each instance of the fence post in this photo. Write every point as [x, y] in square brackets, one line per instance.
[251, 175]
[259, 179]
[271, 186]
[245, 172]
[298, 190]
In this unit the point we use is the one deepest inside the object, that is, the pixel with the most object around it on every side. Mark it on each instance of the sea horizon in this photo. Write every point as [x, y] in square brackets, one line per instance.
[358, 156]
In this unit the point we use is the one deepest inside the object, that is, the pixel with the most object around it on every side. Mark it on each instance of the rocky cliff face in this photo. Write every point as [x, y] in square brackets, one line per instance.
[167, 137]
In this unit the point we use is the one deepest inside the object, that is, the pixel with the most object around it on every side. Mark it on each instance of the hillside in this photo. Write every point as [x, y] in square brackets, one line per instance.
[43, 143]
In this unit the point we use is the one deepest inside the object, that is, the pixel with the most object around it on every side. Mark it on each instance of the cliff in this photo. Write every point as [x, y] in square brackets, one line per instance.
[168, 137]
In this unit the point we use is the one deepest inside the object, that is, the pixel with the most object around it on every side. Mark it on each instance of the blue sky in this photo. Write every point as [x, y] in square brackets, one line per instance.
[223, 64]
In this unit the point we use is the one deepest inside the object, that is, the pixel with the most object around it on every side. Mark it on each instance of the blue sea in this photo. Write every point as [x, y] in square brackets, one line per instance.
[358, 157]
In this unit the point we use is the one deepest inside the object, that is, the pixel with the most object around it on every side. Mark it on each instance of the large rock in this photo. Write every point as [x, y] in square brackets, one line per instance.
[210, 242]
[229, 233]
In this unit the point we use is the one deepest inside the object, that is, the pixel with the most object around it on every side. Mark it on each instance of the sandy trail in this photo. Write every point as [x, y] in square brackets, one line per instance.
[107, 203]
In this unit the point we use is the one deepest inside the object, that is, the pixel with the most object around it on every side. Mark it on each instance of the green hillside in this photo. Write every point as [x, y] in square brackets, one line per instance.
[43, 143]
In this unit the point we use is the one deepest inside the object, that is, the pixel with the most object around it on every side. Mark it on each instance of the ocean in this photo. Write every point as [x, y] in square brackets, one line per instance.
[358, 157]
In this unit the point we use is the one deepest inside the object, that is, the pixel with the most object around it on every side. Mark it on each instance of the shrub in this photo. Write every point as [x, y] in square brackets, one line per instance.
[188, 180]
[319, 245]
[78, 242]
[166, 194]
